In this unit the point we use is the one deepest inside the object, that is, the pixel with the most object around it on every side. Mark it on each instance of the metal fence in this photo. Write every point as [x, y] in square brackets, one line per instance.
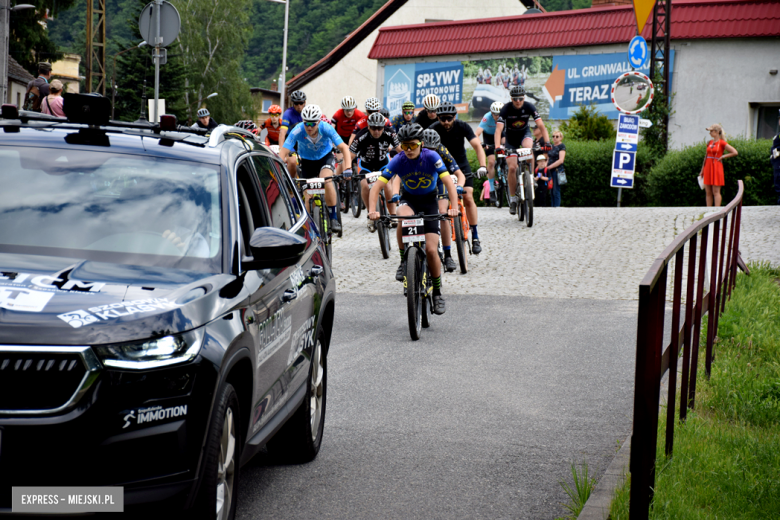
[652, 359]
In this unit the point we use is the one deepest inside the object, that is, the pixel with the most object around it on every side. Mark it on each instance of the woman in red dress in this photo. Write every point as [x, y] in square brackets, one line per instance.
[712, 169]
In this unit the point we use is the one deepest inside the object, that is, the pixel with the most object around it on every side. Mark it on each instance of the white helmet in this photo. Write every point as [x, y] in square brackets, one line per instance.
[275, 148]
[348, 103]
[496, 107]
[373, 104]
[311, 113]
[431, 102]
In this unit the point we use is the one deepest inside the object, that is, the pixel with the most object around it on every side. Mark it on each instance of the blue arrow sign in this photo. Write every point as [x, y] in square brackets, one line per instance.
[618, 182]
[625, 147]
[637, 52]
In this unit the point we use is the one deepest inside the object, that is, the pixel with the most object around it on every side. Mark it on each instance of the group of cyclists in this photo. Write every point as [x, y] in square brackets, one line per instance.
[422, 158]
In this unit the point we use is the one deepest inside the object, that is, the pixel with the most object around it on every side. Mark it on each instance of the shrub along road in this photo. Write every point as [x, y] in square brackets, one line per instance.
[483, 416]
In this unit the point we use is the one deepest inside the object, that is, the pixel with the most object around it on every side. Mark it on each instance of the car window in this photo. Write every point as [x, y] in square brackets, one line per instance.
[111, 207]
[282, 214]
[296, 205]
[250, 212]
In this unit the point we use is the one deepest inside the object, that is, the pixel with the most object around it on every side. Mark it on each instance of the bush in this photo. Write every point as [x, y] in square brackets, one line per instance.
[587, 124]
[672, 182]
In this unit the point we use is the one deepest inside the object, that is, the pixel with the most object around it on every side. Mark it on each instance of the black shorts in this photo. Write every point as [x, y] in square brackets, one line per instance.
[427, 204]
[311, 169]
[515, 139]
[490, 149]
[466, 169]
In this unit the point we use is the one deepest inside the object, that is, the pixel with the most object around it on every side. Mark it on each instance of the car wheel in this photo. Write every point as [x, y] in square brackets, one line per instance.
[300, 438]
[217, 494]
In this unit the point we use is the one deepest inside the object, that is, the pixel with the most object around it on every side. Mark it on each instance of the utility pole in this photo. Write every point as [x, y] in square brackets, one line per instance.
[660, 55]
[5, 14]
[96, 45]
[157, 43]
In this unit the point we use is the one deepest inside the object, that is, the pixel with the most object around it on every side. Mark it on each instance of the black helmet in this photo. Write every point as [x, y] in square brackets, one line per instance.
[413, 132]
[298, 97]
[447, 109]
[385, 112]
[376, 119]
[517, 91]
[431, 138]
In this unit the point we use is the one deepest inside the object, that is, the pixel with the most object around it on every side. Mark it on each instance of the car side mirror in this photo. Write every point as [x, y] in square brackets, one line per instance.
[273, 248]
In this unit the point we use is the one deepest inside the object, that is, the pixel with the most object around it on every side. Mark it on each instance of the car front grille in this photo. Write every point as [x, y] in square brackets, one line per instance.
[44, 379]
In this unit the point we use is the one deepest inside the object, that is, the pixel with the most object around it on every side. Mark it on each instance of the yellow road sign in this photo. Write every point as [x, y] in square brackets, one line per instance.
[642, 10]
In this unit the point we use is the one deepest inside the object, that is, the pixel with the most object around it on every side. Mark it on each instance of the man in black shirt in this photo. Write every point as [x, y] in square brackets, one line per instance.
[453, 132]
[372, 145]
[427, 117]
[38, 89]
[514, 116]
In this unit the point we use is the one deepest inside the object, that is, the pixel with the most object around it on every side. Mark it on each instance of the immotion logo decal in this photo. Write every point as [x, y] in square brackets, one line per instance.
[153, 414]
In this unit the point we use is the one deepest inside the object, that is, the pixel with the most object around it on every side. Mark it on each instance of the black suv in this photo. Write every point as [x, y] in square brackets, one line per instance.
[166, 307]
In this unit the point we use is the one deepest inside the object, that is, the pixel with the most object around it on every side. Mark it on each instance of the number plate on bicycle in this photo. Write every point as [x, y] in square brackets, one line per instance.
[525, 154]
[371, 178]
[413, 230]
[315, 187]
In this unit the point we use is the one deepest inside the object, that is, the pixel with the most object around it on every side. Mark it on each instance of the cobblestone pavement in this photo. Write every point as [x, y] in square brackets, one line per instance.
[593, 253]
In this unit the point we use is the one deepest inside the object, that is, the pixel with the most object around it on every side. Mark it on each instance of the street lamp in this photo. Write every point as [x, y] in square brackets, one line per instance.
[113, 75]
[5, 18]
[284, 50]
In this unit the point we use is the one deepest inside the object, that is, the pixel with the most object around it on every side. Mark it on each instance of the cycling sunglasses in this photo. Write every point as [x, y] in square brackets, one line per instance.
[407, 147]
[311, 124]
[276, 115]
[518, 98]
[376, 128]
[301, 103]
[409, 112]
[446, 118]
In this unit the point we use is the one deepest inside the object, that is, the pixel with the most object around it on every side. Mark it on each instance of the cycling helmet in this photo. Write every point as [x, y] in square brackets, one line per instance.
[431, 138]
[447, 109]
[325, 119]
[248, 124]
[412, 132]
[203, 112]
[348, 103]
[275, 110]
[496, 107]
[408, 105]
[373, 104]
[376, 119]
[298, 97]
[517, 91]
[431, 102]
[385, 112]
[311, 113]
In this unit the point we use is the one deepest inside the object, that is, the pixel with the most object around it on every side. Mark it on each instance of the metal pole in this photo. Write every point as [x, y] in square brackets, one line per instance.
[113, 86]
[5, 15]
[620, 192]
[284, 55]
[157, 41]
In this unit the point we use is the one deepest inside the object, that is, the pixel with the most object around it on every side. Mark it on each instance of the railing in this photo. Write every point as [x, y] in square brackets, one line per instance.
[652, 360]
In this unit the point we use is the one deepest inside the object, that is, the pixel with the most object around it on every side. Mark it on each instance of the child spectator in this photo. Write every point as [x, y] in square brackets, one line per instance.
[543, 182]
[486, 192]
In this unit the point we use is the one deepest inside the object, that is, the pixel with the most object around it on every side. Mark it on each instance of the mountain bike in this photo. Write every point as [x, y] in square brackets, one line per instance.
[382, 228]
[460, 236]
[525, 186]
[500, 183]
[418, 284]
[314, 191]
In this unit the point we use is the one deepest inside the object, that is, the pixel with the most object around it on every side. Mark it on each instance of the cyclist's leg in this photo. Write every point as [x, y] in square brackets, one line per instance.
[528, 142]
[364, 192]
[511, 162]
[292, 165]
[326, 172]
[339, 161]
[396, 189]
[446, 231]
[432, 252]
[490, 152]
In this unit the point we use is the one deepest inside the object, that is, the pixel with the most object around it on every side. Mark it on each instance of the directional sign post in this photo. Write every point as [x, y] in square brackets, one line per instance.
[624, 157]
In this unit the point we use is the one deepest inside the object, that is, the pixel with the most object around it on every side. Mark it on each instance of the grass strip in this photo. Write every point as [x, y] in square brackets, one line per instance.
[726, 460]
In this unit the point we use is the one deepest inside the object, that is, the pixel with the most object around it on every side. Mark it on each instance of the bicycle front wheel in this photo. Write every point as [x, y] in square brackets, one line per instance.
[354, 198]
[499, 192]
[338, 213]
[529, 200]
[320, 217]
[520, 192]
[381, 229]
[344, 196]
[460, 245]
[414, 292]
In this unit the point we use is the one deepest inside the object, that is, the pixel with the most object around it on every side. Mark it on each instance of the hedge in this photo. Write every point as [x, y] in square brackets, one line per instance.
[668, 181]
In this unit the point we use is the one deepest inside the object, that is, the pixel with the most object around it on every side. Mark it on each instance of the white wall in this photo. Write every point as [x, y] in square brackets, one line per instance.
[356, 75]
[715, 81]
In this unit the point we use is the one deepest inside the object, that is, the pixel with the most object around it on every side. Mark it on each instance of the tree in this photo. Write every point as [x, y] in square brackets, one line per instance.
[214, 36]
[587, 124]
[29, 41]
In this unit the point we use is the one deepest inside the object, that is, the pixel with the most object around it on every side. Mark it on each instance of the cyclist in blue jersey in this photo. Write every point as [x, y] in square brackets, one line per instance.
[406, 117]
[290, 119]
[315, 140]
[420, 171]
[487, 128]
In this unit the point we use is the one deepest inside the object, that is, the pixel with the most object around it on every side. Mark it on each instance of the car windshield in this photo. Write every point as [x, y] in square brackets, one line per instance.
[109, 207]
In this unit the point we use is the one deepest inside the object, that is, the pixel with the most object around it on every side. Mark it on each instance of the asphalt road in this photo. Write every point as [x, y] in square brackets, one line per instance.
[481, 418]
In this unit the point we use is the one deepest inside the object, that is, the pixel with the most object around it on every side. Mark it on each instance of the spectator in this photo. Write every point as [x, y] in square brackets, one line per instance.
[542, 182]
[205, 120]
[38, 88]
[52, 104]
[485, 196]
[712, 169]
[556, 156]
[775, 159]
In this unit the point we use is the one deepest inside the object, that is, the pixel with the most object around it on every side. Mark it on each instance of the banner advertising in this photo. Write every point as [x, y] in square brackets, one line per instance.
[555, 85]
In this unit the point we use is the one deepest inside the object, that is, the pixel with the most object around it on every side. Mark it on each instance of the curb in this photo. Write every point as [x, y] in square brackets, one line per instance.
[597, 506]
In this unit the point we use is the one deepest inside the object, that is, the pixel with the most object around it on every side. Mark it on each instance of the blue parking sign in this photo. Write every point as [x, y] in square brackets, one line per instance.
[623, 165]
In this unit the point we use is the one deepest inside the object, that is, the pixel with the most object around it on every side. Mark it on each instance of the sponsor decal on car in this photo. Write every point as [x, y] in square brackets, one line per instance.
[303, 338]
[273, 334]
[28, 292]
[153, 414]
[112, 311]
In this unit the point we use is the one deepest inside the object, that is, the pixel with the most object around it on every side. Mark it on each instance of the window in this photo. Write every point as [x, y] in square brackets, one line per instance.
[250, 214]
[267, 104]
[282, 214]
[768, 126]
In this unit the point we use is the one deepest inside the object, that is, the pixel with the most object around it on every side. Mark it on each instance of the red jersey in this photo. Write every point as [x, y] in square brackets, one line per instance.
[345, 125]
[273, 132]
[364, 123]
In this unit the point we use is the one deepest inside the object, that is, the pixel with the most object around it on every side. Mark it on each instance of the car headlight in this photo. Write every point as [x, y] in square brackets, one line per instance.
[153, 353]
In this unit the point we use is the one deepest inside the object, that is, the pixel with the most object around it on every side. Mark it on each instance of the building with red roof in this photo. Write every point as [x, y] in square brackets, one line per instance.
[724, 63]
